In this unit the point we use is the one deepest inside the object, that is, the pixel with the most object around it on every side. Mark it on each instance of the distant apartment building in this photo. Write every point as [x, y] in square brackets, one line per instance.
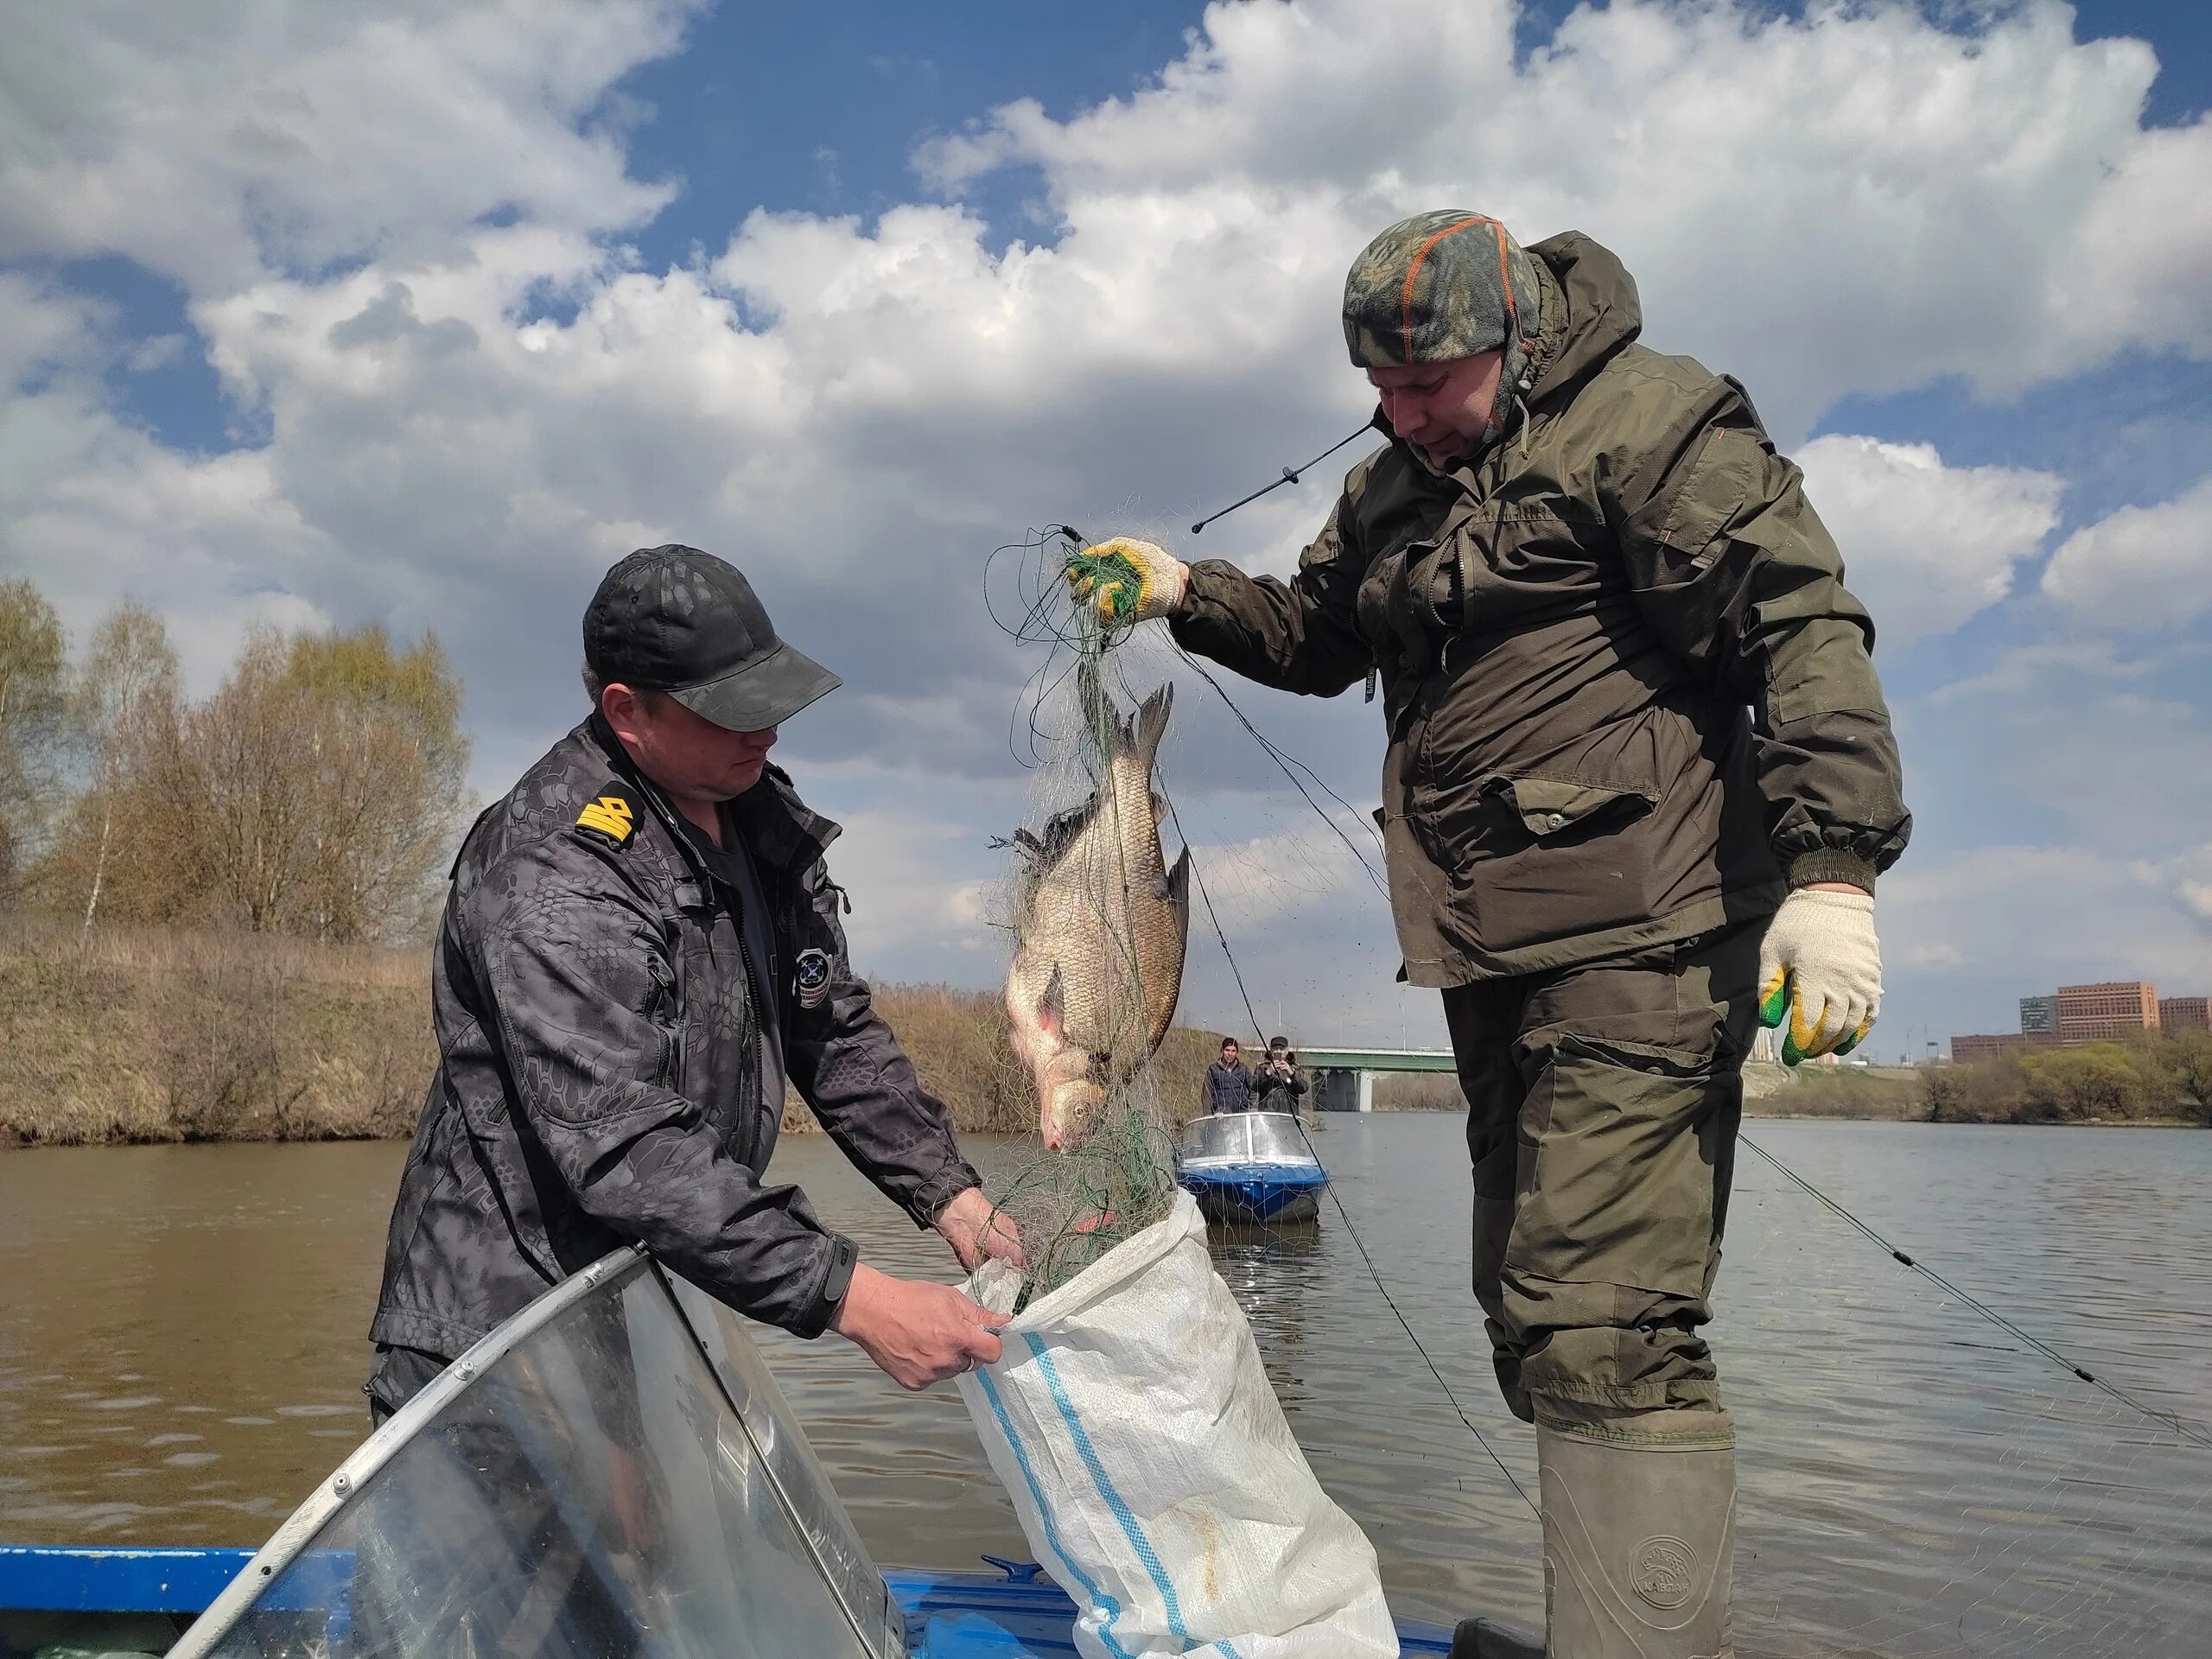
[1965, 1051]
[2095, 1014]
[2185, 1013]
[2039, 1016]
[1970, 1051]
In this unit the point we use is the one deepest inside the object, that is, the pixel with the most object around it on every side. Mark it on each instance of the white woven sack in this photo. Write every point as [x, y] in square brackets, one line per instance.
[1152, 1472]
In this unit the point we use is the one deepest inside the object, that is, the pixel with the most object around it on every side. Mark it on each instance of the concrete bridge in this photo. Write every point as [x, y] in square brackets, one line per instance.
[1343, 1078]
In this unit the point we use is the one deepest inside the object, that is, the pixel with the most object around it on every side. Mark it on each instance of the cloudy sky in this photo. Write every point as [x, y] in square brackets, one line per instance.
[423, 313]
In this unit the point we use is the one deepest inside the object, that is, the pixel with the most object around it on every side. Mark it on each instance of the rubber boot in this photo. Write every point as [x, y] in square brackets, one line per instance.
[1639, 1518]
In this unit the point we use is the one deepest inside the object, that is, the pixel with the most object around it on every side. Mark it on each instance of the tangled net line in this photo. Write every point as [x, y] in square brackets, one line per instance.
[1072, 1206]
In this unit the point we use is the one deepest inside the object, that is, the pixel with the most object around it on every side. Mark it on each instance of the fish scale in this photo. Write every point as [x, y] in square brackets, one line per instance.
[1101, 924]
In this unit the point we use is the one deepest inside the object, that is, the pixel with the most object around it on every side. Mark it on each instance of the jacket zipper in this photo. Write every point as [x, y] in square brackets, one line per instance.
[760, 1004]
[780, 897]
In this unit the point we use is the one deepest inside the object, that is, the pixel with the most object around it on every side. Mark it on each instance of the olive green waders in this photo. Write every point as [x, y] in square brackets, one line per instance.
[1603, 1104]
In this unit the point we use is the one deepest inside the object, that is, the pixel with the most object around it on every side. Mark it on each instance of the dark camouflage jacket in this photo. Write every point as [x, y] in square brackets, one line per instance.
[599, 1080]
[1629, 698]
[1228, 1087]
[1277, 1092]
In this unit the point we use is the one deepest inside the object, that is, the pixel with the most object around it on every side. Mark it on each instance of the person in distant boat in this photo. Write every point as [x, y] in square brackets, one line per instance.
[641, 949]
[1228, 1084]
[1640, 780]
[1278, 1084]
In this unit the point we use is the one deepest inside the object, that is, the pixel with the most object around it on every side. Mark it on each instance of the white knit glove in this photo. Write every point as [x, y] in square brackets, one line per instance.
[1821, 968]
[1126, 581]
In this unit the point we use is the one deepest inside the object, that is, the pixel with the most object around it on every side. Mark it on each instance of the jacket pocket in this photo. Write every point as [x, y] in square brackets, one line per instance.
[1535, 859]
[1503, 816]
[1559, 807]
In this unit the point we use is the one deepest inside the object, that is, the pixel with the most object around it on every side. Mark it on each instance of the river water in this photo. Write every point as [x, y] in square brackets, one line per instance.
[180, 1354]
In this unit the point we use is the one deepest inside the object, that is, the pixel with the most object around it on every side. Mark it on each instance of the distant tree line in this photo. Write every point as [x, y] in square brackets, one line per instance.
[2155, 1076]
[315, 792]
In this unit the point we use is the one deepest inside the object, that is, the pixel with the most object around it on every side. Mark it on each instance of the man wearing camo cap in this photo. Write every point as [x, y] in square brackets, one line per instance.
[1640, 781]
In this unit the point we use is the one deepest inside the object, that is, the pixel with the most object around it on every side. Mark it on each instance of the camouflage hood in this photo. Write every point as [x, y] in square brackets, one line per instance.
[1589, 313]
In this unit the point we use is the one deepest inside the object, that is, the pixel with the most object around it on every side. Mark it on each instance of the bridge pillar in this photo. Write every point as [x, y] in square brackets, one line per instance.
[1340, 1091]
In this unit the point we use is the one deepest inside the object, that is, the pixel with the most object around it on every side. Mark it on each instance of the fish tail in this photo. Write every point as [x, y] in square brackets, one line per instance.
[1178, 890]
[1152, 725]
[1098, 711]
[1138, 740]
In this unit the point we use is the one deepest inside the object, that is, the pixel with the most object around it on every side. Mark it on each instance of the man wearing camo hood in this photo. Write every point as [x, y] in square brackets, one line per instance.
[1640, 782]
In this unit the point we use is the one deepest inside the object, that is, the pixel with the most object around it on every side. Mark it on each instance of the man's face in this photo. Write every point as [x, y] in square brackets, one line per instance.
[1442, 409]
[1228, 1053]
[686, 754]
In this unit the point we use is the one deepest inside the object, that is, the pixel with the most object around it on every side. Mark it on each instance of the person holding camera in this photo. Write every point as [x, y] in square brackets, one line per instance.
[1278, 1083]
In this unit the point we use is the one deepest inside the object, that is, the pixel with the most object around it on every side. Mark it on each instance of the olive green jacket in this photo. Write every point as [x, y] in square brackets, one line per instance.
[1629, 698]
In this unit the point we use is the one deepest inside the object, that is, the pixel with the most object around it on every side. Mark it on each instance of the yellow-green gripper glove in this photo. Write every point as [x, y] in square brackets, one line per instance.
[1821, 972]
[1125, 580]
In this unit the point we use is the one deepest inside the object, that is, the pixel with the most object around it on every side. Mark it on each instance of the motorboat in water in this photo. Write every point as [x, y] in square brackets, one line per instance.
[612, 1472]
[1251, 1167]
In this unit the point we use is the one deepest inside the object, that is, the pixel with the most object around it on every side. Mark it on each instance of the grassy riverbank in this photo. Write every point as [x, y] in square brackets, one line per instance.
[1770, 1091]
[1891, 1096]
[159, 1036]
[2156, 1082]
[119, 1036]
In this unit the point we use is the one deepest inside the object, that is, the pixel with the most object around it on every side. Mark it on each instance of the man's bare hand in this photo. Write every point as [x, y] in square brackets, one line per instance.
[976, 1227]
[917, 1332]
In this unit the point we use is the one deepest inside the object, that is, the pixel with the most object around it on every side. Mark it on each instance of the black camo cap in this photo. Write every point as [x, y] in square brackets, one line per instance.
[672, 618]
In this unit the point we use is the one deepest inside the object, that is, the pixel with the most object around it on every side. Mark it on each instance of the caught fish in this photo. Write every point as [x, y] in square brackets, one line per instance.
[1100, 926]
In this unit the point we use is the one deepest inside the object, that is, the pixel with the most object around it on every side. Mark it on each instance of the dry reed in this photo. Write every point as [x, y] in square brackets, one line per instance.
[146, 1035]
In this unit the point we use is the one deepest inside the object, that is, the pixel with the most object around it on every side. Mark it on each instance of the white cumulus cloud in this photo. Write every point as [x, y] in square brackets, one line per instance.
[2139, 568]
[1925, 545]
[212, 142]
[1859, 200]
[2039, 915]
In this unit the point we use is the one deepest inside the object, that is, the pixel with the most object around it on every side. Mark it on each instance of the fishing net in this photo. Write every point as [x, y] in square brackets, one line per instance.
[1077, 872]
[1283, 855]
[1289, 857]
[1073, 1205]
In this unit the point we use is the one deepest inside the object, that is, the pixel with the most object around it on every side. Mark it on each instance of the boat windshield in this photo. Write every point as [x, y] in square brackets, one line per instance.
[1245, 1138]
[613, 1472]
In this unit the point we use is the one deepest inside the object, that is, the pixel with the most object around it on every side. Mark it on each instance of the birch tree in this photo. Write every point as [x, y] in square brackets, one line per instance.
[127, 683]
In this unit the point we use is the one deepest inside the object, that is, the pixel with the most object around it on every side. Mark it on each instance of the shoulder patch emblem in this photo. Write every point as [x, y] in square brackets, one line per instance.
[813, 977]
[610, 817]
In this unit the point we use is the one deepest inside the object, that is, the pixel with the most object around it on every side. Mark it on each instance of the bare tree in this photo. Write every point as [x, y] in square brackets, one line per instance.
[246, 793]
[389, 763]
[316, 792]
[128, 681]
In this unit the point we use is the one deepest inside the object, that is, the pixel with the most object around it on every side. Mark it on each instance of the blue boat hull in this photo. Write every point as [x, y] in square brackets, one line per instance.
[1016, 1613]
[1267, 1193]
[1256, 1203]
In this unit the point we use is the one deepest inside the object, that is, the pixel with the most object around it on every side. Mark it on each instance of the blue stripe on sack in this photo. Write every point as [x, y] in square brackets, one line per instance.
[1122, 1513]
[1105, 1603]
